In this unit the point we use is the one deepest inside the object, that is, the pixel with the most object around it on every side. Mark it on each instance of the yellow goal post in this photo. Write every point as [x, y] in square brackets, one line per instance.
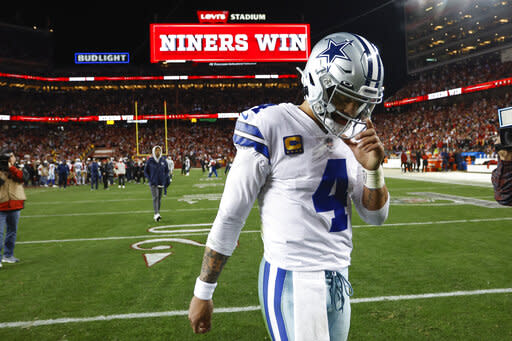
[166, 150]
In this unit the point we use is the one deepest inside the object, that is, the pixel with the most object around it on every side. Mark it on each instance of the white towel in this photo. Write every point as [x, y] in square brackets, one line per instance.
[309, 307]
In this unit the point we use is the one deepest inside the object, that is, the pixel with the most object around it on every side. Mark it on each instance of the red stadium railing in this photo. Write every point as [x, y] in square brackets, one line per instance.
[105, 118]
[451, 92]
[144, 78]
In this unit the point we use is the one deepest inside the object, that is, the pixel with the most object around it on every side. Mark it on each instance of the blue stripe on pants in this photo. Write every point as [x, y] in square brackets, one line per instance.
[281, 274]
[276, 300]
[265, 297]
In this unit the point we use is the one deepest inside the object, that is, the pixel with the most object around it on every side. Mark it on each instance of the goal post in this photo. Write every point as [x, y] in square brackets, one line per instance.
[165, 151]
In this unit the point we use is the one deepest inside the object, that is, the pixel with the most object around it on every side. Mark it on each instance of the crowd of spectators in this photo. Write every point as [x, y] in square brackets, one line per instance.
[468, 124]
[149, 101]
[53, 142]
[463, 73]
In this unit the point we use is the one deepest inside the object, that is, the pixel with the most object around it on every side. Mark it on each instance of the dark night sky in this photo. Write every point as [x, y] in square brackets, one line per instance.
[82, 27]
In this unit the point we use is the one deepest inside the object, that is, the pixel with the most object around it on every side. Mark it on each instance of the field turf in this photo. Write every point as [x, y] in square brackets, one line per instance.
[82, 278]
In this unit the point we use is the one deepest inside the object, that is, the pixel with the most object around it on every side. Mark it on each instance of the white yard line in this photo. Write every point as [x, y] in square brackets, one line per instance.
[35, 323]
[448, 180]
[114, 213]
[194, 232]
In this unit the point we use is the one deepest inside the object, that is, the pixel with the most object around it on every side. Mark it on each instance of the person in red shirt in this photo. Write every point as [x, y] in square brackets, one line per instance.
[12, 200]
[403, 158]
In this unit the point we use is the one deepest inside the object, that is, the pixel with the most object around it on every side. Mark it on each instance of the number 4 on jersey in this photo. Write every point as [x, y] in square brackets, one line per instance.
[335, 174]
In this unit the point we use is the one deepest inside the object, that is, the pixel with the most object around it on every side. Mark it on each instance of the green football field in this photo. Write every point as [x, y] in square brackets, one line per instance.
[95, 266]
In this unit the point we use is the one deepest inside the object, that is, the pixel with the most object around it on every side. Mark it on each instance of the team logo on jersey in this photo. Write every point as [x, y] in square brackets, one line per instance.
[293, 145]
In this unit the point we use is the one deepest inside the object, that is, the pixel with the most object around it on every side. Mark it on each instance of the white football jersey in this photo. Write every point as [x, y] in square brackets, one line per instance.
[78, 166]
[51, 170]
[304, 180]
[170, 164]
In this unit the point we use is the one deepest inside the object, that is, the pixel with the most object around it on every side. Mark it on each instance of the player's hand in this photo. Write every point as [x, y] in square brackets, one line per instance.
[369, 150]
[200, 315]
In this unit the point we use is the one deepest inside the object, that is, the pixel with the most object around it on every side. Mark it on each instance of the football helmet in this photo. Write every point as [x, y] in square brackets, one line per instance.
[343, 68]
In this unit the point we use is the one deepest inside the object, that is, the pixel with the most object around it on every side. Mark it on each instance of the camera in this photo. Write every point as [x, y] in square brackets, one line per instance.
[4, 161]
[505, 119]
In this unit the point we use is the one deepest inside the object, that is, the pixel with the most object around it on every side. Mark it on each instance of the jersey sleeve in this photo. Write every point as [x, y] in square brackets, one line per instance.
[377, 217]
[253, 129]
[243, 184]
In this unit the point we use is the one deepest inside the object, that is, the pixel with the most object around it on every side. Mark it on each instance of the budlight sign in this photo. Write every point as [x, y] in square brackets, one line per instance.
[102, 58]
[229, 42]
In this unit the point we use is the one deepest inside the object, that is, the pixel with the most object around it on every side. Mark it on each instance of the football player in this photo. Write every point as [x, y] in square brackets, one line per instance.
[307, 165]
[78, 171]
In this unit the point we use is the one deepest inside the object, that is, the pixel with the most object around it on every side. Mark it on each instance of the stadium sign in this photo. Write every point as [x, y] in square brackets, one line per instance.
[221, 17]
[102, 58]
[213, 17]
[229, 42]
[248, 17]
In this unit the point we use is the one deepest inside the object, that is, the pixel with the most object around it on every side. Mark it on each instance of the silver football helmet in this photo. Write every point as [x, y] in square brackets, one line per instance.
[343, 68]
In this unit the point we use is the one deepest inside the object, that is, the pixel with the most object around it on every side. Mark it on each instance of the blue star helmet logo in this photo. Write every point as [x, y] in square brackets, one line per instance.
[334, 51]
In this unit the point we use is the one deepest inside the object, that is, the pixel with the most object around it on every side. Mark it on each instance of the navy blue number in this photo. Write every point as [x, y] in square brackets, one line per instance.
[335, 174]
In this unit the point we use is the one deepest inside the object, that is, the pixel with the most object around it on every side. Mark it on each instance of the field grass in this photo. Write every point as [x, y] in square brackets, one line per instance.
[77, 261]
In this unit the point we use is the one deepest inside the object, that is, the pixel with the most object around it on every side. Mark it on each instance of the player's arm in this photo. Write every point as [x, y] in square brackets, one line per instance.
[369, 152]
[201, 310]
[243, 184]
[375, 198]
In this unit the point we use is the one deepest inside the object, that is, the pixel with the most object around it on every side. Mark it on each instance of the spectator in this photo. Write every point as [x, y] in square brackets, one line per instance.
[157, 172]
[121, 172]
[403, 159]
[12, 199]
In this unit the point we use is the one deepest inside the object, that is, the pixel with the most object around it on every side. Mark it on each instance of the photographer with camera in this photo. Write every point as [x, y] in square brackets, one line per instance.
[12, 198]
[502, 175]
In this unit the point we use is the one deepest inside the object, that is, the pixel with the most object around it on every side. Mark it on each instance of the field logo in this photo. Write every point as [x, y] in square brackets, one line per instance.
[164, 244]
[194, 198]
[459, 199]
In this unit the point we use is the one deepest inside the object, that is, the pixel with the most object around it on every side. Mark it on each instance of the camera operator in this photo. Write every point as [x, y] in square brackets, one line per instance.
[502, 175]
[12, 198]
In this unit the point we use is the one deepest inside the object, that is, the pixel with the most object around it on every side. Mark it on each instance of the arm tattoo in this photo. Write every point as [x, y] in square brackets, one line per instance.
[374, 199]
[213, 262]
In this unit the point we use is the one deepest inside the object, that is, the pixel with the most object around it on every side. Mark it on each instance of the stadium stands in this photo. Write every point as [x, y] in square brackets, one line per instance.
[469, 124]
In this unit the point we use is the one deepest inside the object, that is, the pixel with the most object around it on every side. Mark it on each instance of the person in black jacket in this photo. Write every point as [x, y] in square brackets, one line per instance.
[157, 172]
[63, 171]
[110, 171]
[104, 173]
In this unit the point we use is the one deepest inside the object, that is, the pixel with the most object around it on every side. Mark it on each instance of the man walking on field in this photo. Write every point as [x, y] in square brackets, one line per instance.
[157, 173]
